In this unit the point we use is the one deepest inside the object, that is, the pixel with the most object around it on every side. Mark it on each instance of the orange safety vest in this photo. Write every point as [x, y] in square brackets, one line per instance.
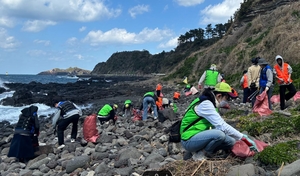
[245, 83]
[283, 74]
[234, 91]
[176, 95]
[159, 102]
[158, 87]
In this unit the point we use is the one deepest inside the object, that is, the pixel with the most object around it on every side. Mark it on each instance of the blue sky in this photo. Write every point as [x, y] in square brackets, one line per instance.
[39, 35]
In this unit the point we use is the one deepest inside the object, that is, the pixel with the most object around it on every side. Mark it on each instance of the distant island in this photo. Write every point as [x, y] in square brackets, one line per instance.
[72, 71]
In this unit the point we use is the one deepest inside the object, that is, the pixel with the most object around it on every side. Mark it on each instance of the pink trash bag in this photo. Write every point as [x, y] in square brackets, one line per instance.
[275, 99]
[261, 105]
[297, 96]
[90, 132]
[242, 150]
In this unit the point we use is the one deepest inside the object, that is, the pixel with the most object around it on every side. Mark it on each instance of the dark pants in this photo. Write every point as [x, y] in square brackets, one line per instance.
[252, 90]
[63, 124]
[158, 93]
[246, 94]
[285, 97]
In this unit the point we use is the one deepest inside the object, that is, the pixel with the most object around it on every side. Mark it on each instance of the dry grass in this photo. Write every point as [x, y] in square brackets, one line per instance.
[202, 168]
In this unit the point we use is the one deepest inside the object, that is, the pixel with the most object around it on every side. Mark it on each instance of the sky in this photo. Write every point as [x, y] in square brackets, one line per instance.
[39, 35]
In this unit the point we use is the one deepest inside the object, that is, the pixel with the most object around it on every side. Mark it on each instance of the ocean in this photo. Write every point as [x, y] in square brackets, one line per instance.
[11, 113]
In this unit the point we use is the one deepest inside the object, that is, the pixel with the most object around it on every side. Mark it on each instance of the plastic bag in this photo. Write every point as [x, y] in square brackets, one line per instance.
[297, 96]
[90, 132]
[261, 105]
[242, 150]
[275, 99]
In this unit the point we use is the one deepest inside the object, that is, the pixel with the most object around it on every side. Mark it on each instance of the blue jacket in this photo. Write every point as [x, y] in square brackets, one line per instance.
[263, 80]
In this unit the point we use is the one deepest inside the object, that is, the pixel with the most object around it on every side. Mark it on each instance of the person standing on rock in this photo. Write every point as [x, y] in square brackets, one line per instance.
[210, 78]
[67, 113]
[244, 84]
[158, 90]
[266, 79]
[107, 112]
[253, 75]
[149, 98]
[283, 72]
[26, 129]
[203, 131]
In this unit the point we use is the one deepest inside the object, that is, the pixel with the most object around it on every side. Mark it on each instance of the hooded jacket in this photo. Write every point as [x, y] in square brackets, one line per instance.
[283, 72]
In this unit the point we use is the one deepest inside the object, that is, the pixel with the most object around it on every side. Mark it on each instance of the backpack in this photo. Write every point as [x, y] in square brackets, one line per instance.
[174, 135]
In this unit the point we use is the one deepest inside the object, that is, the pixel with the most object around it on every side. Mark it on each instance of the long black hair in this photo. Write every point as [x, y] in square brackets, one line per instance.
[210, 96]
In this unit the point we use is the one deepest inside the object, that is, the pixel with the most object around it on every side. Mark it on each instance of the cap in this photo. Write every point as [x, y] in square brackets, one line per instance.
[115, 106]
[224, 87]
[213, 67]
[262, 61]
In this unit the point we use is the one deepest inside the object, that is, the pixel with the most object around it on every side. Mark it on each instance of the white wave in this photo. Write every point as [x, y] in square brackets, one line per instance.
[11, 113]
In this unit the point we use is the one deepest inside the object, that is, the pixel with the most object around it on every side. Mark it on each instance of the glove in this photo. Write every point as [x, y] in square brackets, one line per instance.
[199, 86]
[249, 142]
[266, 89]
[281, 80]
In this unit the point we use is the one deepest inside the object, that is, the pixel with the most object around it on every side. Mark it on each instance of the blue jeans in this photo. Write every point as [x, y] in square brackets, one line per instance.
[269, 92]
[146, 102]
[209, 140]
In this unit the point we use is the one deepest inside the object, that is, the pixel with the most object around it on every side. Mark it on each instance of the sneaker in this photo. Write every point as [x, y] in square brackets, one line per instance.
[61, 146]
[72, 140]
[199, 156]
[155, 118]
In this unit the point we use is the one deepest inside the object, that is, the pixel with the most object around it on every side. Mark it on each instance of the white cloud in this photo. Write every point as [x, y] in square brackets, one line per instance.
[188, 3]
[58, 10]
[6, 41]
[6, 22]
[44, 42]
[36, 53]
[172, 43]
[220, 13]
[83, 28]
[139, 9]
[37, 25]
[72, 41]
[79, 56]
[121, 36]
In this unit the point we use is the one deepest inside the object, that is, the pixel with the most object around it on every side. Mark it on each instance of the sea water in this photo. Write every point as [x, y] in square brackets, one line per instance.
[11, 113]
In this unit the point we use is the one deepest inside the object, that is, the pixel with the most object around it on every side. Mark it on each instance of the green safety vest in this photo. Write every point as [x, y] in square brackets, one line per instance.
[105, 110]
[175, 108]
[127, 102]
[189, 117]
[149, 93]
[211, 78]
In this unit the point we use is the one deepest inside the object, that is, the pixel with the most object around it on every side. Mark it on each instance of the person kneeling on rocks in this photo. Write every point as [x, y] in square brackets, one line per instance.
[203, 131]
[107, 112]
[26, 130]
[127, 108]
[68, 112]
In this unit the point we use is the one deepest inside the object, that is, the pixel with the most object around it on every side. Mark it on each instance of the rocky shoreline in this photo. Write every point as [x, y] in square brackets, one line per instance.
[127, 148]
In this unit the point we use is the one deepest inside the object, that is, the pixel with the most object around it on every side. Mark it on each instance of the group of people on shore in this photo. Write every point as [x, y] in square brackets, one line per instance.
[208, 133]
[261, 77]
[204, 132]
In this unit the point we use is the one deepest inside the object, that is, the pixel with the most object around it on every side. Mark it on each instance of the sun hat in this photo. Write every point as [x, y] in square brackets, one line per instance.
[224, 87]
[213, 67]
[262, 61]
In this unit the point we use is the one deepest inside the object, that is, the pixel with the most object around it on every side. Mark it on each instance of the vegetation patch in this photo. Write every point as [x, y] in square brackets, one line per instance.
[227, 50]
[259, 39]
[280, 153]
[277, 125]
[183, 71]
[296, 14]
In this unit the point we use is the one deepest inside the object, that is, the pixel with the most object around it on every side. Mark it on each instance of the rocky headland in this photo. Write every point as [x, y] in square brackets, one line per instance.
[127, 148]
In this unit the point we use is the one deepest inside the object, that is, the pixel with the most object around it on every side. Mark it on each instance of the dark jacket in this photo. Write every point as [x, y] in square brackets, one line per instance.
[28, 123]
